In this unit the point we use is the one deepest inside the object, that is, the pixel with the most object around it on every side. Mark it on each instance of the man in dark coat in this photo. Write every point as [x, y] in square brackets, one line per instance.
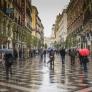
[8, 57]
[51, 56]
[15, 54]
[62, 53]
[44, 54]
[73, 54]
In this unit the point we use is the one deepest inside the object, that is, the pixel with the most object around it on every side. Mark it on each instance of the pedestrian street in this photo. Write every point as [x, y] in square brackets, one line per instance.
[37, 76]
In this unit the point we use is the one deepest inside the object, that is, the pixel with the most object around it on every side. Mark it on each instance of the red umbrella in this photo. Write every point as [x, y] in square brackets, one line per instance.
[84, 52]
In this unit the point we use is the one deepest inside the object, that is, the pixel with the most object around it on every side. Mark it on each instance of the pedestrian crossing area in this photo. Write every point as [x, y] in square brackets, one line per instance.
[37, 76]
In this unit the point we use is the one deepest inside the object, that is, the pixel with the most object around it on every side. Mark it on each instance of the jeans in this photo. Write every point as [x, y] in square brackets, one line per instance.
[63, 59]
[85, 66]
[8, 70]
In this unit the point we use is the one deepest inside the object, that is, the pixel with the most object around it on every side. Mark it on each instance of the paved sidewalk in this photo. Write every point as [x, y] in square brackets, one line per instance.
[37, 76]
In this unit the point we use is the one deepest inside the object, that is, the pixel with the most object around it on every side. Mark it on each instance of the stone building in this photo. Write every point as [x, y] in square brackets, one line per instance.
[61, 29]
[79, 16]
[87, 24]
[15, 23]
[56, 30]
[37, 28]
[74, 22]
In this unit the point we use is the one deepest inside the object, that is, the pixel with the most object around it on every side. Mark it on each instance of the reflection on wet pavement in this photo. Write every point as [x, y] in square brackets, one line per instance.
[40, 77]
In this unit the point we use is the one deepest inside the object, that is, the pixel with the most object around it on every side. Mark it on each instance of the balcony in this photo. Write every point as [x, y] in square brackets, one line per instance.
[87, 16]
[15, 19]
[28, 12]
[12, 16]
[4, 11]
[29, 26]
[86, 4]
[19, 22]
[8, 11]
[15, 3]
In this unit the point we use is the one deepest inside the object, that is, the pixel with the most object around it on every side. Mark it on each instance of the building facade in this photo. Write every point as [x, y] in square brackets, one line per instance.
[74, 22]
[34, 20]
[15, 24]
[57, 31]
[61, 29]
[37, 28]
[87, 23]
[79, 19]
[40, 32]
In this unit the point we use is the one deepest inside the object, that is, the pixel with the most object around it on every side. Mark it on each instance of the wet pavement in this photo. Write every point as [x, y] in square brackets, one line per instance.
[37, 76]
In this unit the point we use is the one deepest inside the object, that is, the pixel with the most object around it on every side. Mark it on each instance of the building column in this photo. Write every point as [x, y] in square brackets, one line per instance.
[10, 34]
[1, 30]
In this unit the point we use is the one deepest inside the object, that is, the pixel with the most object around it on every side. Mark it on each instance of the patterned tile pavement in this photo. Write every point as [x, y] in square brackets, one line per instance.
[37, 76]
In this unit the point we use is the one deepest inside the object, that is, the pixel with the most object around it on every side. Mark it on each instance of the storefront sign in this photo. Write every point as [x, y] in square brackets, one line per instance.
[9, 10]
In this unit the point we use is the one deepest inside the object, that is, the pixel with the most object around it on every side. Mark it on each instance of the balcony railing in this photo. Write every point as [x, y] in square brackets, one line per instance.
[4, 10]
[87, 16]
[15, 19]
[28, 26]
[17, 4]
[28, 12]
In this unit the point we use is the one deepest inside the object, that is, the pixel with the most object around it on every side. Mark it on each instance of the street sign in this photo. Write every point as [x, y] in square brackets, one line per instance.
[9, 10]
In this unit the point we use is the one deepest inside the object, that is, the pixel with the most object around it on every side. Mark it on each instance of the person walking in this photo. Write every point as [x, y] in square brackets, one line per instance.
[62, 54]
[8, 57]
[44, 55]
[51, 57]
[15, 54]
[80, 59]
[84, 53]
[85, 61]
[30, 53]
[41, 54]
[73, 54]
[20, 53]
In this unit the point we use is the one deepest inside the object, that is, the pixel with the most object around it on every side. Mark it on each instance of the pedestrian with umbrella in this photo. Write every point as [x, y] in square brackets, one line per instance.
[8, 57]
[84, 53]
[80, 56]
[51, 58]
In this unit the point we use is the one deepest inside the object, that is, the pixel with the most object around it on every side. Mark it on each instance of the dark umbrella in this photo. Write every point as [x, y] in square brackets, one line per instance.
[8, 51]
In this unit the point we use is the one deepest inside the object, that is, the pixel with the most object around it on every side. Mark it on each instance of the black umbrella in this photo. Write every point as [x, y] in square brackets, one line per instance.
[8, 51]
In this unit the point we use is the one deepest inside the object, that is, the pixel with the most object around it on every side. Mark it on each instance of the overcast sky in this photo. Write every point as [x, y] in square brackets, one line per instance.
[48, 9]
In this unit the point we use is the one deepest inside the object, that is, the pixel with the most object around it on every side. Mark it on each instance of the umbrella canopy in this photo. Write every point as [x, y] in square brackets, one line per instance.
[49, 49]
[6, 51]
[84, 52]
